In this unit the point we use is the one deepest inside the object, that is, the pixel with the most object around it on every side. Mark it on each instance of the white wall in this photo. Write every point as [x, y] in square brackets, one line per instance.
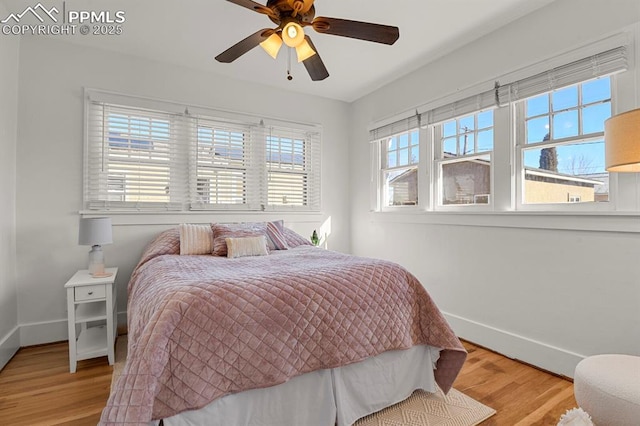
[545, 296]
[9, 341]
[49, 162]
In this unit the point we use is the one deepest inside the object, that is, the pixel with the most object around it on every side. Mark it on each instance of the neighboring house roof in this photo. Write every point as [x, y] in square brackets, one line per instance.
[603, 178]
[404, 177]
[532, 173]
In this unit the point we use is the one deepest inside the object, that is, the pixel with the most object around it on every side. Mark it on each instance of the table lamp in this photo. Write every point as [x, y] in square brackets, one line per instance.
[94, 232]
[622, 142]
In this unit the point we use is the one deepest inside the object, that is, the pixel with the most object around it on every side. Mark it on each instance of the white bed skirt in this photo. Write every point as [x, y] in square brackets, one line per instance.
[325, 397]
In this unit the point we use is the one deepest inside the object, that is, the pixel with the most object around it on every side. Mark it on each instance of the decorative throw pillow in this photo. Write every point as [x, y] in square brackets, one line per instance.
[246, 246]
[195, 239]
[234, 230]
[294, 239]
[275, 236]
[273, 231]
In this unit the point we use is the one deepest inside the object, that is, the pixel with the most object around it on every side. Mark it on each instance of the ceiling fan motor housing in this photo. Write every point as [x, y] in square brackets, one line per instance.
[284, 9]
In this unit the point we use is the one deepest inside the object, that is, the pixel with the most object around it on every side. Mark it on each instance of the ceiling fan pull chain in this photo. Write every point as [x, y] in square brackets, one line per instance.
[289, 76]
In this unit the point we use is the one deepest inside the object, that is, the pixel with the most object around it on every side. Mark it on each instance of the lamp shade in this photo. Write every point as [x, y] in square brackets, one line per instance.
[622, 142]
[272, 45]
[304, 51]
[95, 231]
[292, 34]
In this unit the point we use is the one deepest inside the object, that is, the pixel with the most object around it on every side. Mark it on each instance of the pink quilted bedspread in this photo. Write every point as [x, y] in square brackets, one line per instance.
[201, 327]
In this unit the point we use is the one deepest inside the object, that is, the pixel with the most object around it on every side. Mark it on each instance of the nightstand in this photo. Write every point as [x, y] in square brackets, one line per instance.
[91, 305]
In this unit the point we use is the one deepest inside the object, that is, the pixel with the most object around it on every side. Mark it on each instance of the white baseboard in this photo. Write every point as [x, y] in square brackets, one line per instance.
[39, 333]
[542, 355]
[9, 345]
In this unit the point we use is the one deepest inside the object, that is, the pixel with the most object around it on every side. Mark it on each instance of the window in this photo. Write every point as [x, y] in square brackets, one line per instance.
[464, 160]
[155, 159]
[287, 175]
[399, 169]
[533, 142]
[132, 157]
[222, 159]
[561, 144]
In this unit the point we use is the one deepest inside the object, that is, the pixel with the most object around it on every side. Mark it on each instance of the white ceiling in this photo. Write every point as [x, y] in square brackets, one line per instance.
[192, 32]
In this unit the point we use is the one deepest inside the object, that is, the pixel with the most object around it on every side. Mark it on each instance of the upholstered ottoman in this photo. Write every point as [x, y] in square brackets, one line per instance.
[608, 388]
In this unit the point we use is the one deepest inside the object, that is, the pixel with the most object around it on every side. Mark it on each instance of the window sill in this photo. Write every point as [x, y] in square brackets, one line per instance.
[226, 216]
[628, 222]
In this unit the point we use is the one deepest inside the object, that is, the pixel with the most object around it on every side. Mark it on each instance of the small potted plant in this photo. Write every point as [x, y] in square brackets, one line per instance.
[314, 238]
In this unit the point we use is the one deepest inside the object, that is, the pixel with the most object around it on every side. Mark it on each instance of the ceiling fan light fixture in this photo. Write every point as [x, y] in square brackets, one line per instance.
[292, 34]
[304, 51]
[272, 45]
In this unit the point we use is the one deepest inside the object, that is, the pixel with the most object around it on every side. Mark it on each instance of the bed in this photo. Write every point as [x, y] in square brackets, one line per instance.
[218, 340]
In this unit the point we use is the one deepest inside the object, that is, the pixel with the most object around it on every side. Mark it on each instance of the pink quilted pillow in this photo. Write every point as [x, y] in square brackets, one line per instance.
[294, 239]
[278, 237]
[275, 235]
[234, 230]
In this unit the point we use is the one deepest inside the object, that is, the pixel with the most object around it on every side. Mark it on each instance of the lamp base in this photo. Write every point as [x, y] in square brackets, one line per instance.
[96, 261]
[103, 275]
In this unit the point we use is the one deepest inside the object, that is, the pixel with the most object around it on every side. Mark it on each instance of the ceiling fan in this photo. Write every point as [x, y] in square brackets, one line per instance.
[291, 16]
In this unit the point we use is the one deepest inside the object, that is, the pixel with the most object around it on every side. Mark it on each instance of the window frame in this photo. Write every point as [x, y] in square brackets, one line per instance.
[381, 156]
[609, 57]
[439, 162]
[98, 193]
[248, 146]
[520, 145]
[305, 173]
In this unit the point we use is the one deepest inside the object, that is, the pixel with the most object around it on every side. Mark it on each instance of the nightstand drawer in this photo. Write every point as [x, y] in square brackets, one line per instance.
[90, 292]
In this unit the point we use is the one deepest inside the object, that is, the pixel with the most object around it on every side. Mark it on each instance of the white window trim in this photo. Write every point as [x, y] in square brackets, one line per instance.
[624, 195]
[623, 222]
[187, 111]
[438, 162]
[381, 202]
[520, 135]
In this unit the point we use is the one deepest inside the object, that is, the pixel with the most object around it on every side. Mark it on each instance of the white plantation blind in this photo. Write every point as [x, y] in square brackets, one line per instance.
[225, 171]
[133, 159]
[399, 126]
[605, 63]
[156, 156]
[293, 168]
[469, 105]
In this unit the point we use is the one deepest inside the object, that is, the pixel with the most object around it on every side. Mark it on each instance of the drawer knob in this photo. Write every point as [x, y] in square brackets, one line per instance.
[90, 293]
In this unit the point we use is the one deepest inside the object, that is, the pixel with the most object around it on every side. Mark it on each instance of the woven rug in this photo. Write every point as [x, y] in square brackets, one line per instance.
[431, 409]
[420, 409]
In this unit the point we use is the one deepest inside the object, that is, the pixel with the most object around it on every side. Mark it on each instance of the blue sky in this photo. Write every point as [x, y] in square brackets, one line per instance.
[558, 113]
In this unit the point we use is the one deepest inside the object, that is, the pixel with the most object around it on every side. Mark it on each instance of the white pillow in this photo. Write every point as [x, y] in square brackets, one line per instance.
[195, 239]
[247, 246]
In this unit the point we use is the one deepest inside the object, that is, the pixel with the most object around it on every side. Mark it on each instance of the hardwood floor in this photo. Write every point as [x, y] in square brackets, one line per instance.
[36, 389]
[522, 395]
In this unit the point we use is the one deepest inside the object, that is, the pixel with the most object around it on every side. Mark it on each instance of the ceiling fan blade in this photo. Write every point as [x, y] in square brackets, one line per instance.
[242, 47]
[249, 4]
[355, 29]
[314, 65]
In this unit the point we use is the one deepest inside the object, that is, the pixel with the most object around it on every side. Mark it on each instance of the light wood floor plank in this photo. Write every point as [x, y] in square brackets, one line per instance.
[36, 389]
